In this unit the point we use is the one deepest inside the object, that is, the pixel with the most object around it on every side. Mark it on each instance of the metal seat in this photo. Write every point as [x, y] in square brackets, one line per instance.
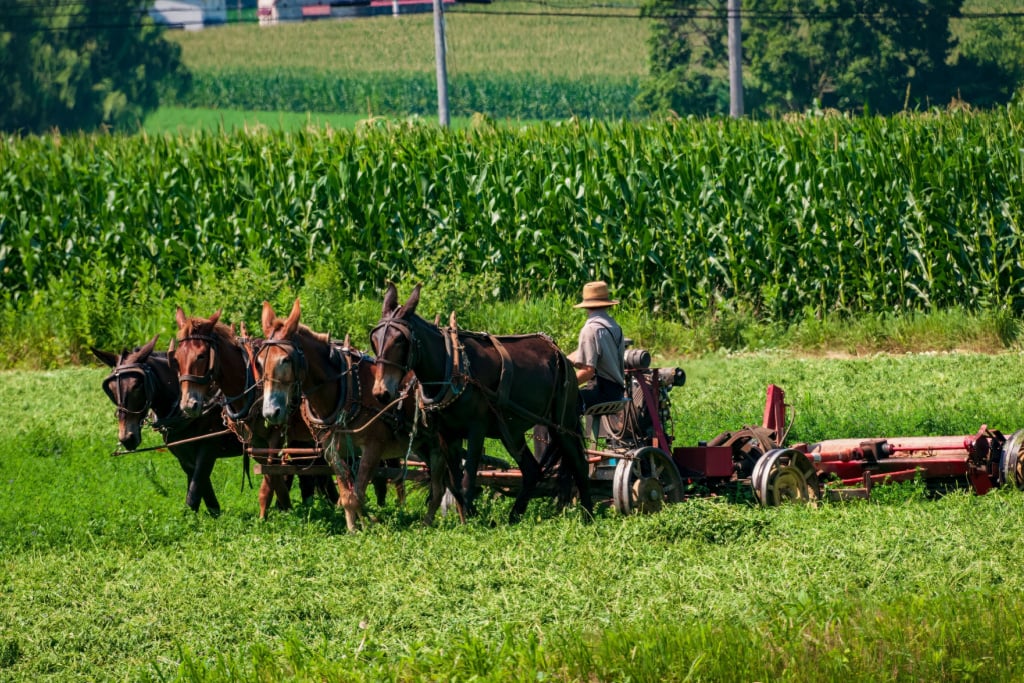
[600, 418]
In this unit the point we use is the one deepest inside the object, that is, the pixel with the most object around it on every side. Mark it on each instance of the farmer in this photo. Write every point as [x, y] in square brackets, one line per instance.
[598, 358]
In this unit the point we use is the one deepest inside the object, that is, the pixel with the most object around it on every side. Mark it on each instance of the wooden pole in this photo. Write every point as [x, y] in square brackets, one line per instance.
[735, 60]
[442, 65]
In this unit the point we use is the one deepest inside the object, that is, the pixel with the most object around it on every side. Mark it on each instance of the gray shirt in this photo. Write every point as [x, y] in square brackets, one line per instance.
[602, 346]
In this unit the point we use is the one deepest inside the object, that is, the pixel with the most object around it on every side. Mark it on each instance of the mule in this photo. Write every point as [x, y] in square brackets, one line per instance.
[476, 386]
[337, 403]
[143, 382]
[208, 355]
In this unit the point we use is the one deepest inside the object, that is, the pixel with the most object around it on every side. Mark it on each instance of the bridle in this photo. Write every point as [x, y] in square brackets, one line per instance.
[212, 367]
[213, 372]
[117, 394]
[405, 329]
[294, 353]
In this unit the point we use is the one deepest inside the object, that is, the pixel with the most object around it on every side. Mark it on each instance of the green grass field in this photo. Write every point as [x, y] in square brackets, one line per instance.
[105, 576]
[543, 45]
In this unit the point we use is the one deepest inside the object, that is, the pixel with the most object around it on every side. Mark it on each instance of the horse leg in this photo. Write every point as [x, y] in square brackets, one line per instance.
[307, 487]
[369, 469]
[530, 469]
[574, 456]
[201, 478]
[188, 466]
[380, 486]
[282, 486]
[474, 447]
[327, 488]
[266, 495]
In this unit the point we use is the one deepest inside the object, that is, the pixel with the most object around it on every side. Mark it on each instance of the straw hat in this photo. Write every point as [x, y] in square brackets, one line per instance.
[595, 295]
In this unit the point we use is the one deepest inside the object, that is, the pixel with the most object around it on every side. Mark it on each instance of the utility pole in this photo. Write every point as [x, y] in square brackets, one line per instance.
[735, 60]
[442, 65]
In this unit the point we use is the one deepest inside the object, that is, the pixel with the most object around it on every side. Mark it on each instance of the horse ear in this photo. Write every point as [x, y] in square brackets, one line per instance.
[451, 321]
[181, 318]
[106, 357]
[215, 317]
[292, 323]
[348, 341]
[268, 318]
[390, 299]
[147, 349]
[243, 330]
[413, 300]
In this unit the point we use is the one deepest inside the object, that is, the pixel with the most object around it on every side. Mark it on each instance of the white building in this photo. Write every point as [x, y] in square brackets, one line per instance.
[190, 15]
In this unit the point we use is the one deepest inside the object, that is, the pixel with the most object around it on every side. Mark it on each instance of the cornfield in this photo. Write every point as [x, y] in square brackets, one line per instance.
[514, 96]
[785, 218]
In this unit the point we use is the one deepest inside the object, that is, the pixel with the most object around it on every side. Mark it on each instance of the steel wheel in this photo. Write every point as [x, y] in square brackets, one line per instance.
[1011, 468]
[784, 475]
[645, 480]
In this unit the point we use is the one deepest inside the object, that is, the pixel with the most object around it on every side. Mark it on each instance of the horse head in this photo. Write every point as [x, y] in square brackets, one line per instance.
[394, 343]
[280, 363]
[131, 387]
[195, 354]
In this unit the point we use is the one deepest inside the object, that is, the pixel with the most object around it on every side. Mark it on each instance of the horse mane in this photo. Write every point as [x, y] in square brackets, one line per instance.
[202, 326]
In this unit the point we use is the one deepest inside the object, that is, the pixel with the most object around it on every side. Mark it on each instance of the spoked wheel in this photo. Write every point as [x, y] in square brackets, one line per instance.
[1011, 469]
[645, 480]
[785, 475]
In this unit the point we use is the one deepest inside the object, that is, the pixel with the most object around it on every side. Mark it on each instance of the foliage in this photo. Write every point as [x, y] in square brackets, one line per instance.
[82, 65]
[768, 221]
[854, 56]
[513, 96]
[989, 68]
[105, 575]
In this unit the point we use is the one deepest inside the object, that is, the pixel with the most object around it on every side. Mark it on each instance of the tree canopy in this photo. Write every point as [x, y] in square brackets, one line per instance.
[855, 55]
[76, 64]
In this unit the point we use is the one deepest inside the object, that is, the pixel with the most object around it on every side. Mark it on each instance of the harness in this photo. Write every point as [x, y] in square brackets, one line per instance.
[117, 394]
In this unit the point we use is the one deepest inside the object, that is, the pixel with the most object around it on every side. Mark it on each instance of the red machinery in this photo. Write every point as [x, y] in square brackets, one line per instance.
[635, 463]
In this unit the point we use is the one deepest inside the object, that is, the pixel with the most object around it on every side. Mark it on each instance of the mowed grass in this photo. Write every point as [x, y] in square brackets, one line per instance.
[478, 42]
[105, 576]
[184, 121]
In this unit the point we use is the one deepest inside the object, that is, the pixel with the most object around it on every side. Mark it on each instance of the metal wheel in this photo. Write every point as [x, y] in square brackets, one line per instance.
[784, 475]
[645, 480]
[1011, 468]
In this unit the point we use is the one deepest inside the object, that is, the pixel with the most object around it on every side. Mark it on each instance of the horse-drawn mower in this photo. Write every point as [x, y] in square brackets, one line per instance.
[629, 460]
[635, 465]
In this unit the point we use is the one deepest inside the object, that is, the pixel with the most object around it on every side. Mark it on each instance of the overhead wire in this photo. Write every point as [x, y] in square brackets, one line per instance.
[35, 20]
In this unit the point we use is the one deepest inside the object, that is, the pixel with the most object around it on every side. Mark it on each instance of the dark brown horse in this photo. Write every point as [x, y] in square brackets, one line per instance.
[476, 386]
[339, 408]
[208, 355]
[142, 382]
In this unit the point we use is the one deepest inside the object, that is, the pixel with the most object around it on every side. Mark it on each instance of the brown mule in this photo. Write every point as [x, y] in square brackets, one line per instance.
[475, 386]
[141, 383]
[335, 383]
[208, 355]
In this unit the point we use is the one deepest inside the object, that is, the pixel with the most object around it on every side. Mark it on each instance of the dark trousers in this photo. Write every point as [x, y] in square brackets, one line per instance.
[600, 390]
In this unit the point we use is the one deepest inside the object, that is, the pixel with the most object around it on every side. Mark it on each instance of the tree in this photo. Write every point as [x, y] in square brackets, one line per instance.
[688, 57]
[78, 64]
[882, 55]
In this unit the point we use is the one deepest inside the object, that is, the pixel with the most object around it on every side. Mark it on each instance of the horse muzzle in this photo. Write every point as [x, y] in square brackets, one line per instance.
[130, 435]
[275, 408]
[191, 404]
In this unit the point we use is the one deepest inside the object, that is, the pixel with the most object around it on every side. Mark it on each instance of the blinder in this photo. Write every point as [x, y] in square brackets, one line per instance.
[113, 387]
[405, 329]
[296, 354]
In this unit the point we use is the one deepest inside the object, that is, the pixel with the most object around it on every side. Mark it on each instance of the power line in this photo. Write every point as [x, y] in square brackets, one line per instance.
[136, 17]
